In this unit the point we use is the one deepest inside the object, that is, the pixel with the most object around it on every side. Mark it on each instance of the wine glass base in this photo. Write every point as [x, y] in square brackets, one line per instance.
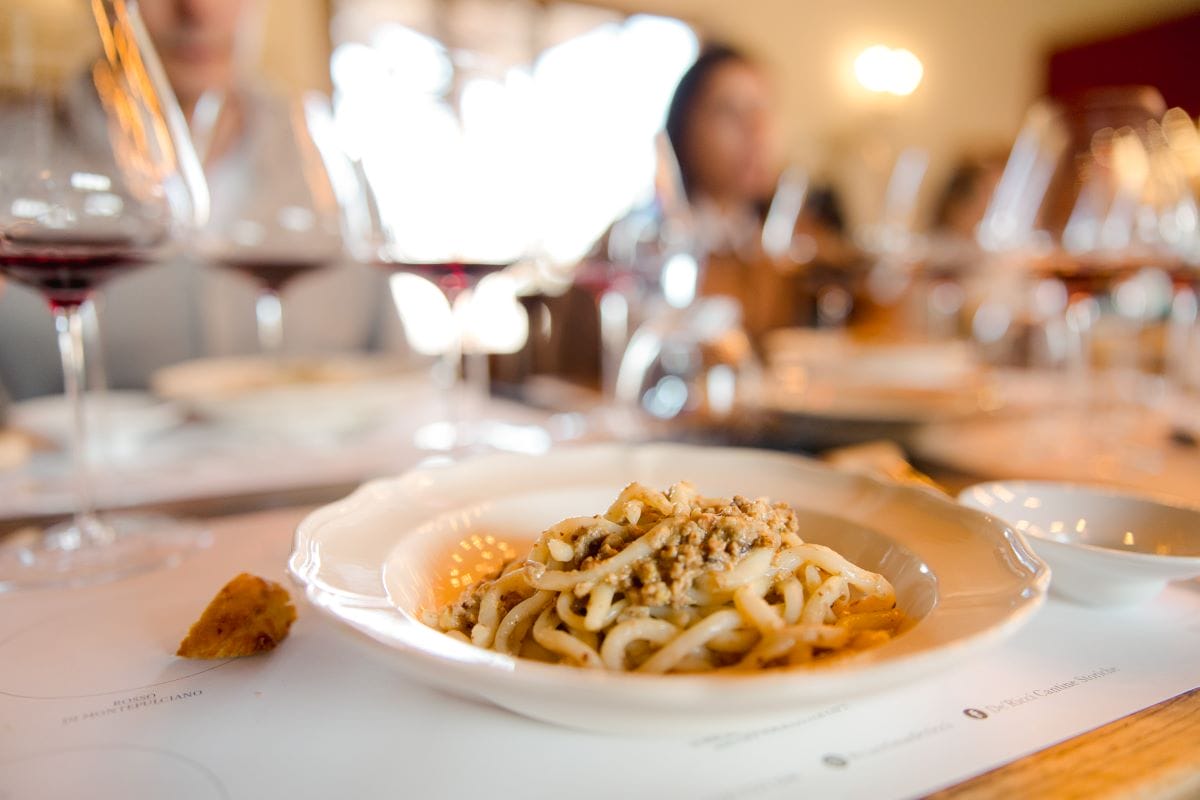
[114, 546]
[482, 436]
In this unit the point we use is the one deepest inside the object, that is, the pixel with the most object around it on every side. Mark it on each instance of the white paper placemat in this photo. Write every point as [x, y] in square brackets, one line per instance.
[93, 703]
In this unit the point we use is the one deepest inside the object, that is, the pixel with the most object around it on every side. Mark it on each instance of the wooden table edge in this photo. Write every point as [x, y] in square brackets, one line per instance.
[1153, 753]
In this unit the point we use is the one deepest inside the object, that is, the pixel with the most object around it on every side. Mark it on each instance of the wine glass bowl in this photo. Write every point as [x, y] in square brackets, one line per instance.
[278, 214]
[692, 366]
[97, 177]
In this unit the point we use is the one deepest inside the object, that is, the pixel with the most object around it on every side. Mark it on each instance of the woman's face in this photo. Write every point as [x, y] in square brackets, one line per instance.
[732, 135]
[196, 40]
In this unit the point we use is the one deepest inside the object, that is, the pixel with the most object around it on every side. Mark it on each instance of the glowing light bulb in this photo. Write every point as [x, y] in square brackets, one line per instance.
[871, 68]
[907, 72]
[886, 70]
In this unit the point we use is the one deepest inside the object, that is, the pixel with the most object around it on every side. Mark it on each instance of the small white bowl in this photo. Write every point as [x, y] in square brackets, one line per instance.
[1104, 547]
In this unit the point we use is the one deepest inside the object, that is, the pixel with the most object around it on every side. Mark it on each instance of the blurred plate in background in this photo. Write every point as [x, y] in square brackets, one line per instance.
[314, 395]
[1129, 448]
[118, 422]
[825, 389]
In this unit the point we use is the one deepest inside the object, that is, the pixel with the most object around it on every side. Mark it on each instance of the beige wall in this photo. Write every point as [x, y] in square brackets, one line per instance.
[983, 61]
[292, 36]
[295, 43]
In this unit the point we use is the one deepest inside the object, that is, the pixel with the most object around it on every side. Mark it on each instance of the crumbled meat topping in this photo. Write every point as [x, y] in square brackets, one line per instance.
[701, 536]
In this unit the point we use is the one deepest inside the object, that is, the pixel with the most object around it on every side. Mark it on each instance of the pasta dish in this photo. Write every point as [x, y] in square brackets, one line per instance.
[677, 582]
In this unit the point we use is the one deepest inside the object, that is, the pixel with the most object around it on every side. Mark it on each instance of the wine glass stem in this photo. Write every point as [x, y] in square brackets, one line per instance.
[614, 336]
[475, 379]
[449, 376]
[466, 372]
[68, 322]
[1080, 318]
[268, 311]
[1181, 333]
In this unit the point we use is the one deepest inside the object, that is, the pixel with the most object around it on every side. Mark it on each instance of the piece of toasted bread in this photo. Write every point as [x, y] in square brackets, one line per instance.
[249, 615]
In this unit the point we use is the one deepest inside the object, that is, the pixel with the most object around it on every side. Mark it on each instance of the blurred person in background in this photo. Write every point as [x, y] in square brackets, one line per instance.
[723, 129]
[4, 398]
[954, 249]
[954, 254]
[966, 195]
[723, 126]
[170, 312]
[198, 42]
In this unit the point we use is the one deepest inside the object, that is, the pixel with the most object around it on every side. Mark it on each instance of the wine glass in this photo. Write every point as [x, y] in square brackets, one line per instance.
[453, 197]
[1181, 137]
[629, 271]
[1071, 207]
[1092, 213]
[888, 235]
[97, 176]
[276, 213]
[689, 367]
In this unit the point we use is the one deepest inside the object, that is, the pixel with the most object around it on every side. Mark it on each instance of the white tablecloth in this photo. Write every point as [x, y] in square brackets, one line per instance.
[94, 704]
[215, 459]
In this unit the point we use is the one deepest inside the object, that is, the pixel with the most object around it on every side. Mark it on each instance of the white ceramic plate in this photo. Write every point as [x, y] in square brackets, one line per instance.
[826, 399]
[320, 395]
[828, 375]
[119, 422]
[1106, 548]
[910, 365]
[238, 375]
[372, 560]
[1130, 449]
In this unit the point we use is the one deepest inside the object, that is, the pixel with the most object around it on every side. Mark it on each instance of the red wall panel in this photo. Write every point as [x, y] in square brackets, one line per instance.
[1166, 56]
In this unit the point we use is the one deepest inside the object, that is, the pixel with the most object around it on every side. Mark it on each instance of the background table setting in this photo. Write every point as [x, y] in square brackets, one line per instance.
[298, 430]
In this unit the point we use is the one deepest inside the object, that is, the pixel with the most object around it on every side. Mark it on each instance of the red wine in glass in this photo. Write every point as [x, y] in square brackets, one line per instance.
[67, 274]
[272, 274]
[1183, 277]
[1089, 277]
[452, 277]
[598, 277]
[96, 175]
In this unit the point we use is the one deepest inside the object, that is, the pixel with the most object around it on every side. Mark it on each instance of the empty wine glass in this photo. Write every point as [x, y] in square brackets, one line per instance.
[276, 212]
[1181, 219]
[97, 176]
[690, 364]
[650, 251]
[692, 367]
[888, 235]
[1092, 215]
[1072, 208]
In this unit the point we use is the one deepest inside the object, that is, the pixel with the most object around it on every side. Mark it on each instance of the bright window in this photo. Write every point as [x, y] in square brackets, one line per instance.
[559, 104]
